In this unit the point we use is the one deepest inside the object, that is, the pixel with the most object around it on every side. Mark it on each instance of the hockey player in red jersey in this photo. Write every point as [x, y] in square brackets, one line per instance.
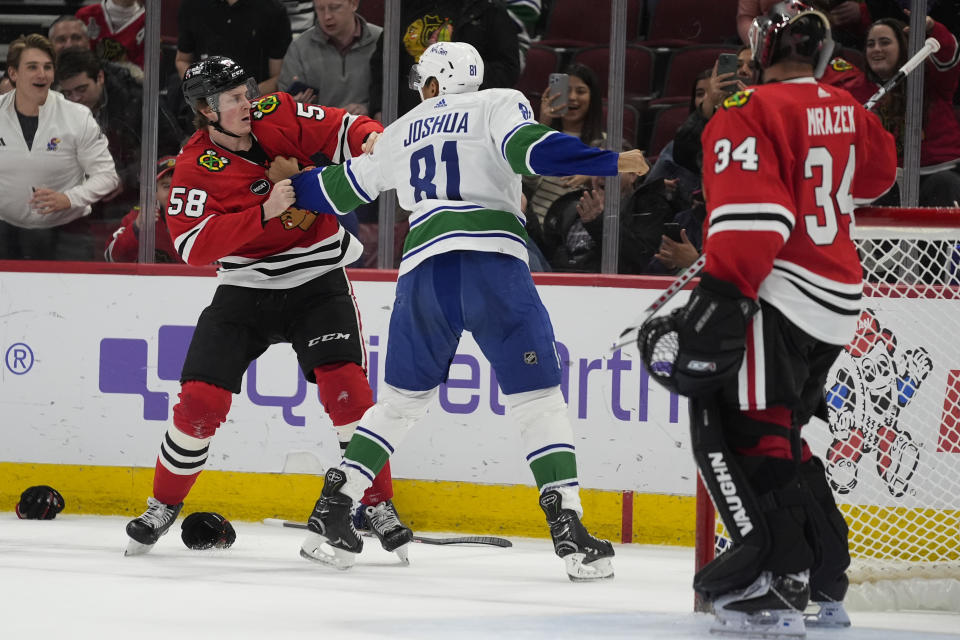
[784, 164]
[282, 278]
[116, 29]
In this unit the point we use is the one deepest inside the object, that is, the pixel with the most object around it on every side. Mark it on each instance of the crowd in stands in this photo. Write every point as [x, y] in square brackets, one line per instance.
[80, 201]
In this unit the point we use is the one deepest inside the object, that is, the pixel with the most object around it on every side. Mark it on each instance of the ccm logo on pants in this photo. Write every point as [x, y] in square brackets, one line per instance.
[328, 337]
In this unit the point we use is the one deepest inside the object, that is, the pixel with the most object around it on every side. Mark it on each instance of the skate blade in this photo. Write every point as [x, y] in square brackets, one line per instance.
[403, 553]
[826, 615]
[579, 571]
[135, 548]
[771, 624]
[317, 549]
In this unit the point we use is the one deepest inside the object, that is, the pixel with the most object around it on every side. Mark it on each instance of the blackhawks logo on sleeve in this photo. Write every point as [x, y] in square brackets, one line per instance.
[265, 106]
[738, 99]
[212, 161]
[840, 65]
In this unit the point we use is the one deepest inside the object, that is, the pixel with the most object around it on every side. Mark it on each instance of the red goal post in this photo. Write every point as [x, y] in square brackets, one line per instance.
[892, 443]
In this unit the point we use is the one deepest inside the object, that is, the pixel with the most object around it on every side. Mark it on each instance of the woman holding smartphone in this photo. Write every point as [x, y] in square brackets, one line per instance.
[577, 111]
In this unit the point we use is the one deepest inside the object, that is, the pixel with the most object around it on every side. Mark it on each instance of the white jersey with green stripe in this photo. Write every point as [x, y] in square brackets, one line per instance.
[455, 161]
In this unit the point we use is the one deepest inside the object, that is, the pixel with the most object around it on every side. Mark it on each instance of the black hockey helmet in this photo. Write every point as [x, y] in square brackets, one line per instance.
[792, 30]
[206, 79]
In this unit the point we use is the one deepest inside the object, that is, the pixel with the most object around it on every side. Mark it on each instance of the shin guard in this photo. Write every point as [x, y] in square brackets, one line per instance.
[548, 442]
[183, 453]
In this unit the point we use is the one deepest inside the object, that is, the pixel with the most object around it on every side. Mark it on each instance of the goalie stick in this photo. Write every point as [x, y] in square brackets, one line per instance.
[627, 336]
[486, 540]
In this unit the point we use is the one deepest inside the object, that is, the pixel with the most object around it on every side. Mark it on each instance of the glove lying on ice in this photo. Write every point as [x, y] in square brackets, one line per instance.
[39, 503]
[204, 530]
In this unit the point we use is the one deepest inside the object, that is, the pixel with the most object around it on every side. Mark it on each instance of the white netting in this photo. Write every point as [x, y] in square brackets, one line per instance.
[892, 445]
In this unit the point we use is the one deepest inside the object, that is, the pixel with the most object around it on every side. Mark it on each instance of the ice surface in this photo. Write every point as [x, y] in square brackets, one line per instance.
[67, 578]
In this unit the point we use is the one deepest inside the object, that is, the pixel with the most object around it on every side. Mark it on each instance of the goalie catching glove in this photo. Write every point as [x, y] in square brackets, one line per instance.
[694, 350]
[205, 530]
[39, 503]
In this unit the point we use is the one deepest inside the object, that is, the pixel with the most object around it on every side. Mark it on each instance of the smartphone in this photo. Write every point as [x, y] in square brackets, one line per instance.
[559, 83]
[728, 63]
[297, 87]
[672, 231]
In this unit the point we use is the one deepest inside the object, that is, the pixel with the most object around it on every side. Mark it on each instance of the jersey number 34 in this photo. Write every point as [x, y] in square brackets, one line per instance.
[830, 201]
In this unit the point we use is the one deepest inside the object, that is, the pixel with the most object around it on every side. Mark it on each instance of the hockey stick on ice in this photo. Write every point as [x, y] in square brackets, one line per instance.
[627, 336]
[487, 540]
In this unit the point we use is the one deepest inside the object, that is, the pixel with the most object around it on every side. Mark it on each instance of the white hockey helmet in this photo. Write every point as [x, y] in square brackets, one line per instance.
[457, 66]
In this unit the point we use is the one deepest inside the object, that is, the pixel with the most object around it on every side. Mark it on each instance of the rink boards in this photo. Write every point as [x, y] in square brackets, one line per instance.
[91, 371]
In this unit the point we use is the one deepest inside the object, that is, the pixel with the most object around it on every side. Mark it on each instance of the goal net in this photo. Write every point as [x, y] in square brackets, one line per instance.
[892, 443]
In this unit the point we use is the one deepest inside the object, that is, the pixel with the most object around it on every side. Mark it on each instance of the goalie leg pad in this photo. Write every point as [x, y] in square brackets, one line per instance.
[828, 578]
[759, 499]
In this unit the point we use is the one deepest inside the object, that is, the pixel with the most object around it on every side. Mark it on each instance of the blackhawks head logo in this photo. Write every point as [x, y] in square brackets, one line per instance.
[424, 31]
[212, 161]
[265, 106]
[738, 99]
[840, 65]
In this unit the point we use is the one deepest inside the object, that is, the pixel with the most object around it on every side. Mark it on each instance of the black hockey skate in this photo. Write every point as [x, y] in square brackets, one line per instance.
[771, 607]
[333, 540]
[586, 557]
[146, 529]
[382, 521]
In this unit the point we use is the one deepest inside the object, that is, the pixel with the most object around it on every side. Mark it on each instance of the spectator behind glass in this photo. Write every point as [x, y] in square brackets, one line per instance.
[584, 120]
[116, 29]
[483, 23]
[525, 15]
[54, 162]
[116, 100]
[68, 31]
[332, 58]
[886, 52]
[573, 228]
[253, 33]
[124, 246]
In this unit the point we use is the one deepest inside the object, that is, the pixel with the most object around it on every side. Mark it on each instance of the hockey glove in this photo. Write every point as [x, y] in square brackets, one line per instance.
[39, 503]
[695, 350]
[205, 530]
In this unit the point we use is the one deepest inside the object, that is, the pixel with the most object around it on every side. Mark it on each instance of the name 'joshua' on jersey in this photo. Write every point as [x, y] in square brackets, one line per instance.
[451, 122]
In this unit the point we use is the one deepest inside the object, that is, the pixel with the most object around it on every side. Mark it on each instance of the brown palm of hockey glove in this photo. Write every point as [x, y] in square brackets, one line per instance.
[39, 503]
[295, 218]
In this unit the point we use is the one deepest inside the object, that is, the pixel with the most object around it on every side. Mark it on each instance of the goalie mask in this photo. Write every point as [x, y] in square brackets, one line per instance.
[792, 30]
[207, 79]
[457, 66]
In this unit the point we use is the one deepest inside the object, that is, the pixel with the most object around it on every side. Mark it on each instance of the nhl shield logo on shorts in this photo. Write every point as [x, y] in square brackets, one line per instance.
[530, 357]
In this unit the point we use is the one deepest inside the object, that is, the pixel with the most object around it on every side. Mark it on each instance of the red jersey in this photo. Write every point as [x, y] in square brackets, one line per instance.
[783, 166]
[124, 246]
[940, 134]
[114, 42]
[214, 213]
[840, 73]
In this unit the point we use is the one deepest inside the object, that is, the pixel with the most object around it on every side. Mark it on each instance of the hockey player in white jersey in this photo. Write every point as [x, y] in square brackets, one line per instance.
[455, 161]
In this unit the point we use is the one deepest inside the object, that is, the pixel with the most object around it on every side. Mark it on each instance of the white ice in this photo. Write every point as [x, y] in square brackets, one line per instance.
[67, 578]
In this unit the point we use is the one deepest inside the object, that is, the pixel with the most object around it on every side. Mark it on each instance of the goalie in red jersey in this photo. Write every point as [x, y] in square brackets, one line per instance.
[282, 278]
[784, 163]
